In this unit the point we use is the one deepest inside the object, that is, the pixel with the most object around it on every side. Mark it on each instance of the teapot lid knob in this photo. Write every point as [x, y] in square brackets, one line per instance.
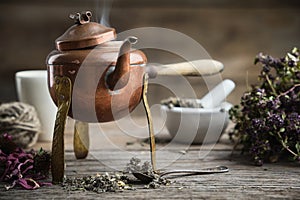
[81, 18]
[84, 33]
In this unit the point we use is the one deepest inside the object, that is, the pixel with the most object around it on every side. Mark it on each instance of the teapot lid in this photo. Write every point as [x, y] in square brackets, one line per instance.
[84, 33]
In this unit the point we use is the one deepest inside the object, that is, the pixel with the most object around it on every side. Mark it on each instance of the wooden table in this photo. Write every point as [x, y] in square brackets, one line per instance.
[111, 149]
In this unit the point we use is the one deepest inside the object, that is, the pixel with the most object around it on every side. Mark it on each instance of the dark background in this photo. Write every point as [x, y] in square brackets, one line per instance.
[231, 31]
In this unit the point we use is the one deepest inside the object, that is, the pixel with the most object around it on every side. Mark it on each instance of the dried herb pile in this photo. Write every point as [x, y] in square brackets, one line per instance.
[115, 182]
[21, 168]
[135, 165]
[180, 102]
[28, 169]
[268, 118]
[99, 183]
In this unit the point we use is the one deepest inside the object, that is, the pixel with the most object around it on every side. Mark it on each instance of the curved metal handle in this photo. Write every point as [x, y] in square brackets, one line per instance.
[213, 170]
[63, 90]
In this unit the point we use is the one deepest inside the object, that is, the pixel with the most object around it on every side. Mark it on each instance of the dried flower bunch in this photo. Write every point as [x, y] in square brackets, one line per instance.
[18, 167]
[268, 119]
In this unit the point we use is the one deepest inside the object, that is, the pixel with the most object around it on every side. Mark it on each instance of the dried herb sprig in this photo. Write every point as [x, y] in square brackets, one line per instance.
[268, 119]
[18, 167]
[135, 165]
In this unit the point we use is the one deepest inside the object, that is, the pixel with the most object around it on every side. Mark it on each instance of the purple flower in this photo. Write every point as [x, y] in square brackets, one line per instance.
[18, 167]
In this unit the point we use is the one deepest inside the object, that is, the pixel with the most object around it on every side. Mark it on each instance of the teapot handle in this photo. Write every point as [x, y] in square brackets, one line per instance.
[204, 67]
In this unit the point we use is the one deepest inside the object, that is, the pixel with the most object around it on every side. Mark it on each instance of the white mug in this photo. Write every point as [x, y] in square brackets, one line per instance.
[32, 88]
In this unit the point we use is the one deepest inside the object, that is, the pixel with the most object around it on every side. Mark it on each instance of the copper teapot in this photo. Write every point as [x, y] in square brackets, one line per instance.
[106, 75]
[112, 66]
[94, 78]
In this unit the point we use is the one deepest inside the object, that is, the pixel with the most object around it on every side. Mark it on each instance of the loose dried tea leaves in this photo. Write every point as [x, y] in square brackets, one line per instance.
[115, 182]
[99, 183]
[18, 167]
[135, 165]
[178, 102]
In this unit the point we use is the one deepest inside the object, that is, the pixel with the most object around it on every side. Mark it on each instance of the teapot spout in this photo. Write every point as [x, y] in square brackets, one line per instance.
[120, 76]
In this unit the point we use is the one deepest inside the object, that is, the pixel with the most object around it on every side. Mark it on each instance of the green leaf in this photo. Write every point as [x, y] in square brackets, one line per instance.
[282, 130]
[293, 58]
[295, 50]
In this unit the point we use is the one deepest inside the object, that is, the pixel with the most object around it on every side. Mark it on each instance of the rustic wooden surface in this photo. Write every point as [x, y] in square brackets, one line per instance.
[244, 181]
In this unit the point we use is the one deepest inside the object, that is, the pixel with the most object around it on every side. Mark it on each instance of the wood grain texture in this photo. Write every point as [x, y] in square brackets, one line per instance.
[110, 151]
[244, 181]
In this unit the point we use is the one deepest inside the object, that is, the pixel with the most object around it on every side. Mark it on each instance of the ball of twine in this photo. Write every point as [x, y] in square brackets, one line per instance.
[21, 121]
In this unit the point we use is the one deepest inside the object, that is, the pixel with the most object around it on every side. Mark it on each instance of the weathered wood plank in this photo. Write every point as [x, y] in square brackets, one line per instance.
[244, 181]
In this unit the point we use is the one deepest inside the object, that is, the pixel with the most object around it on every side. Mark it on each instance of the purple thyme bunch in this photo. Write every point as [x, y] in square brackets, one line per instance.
[267, 122]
